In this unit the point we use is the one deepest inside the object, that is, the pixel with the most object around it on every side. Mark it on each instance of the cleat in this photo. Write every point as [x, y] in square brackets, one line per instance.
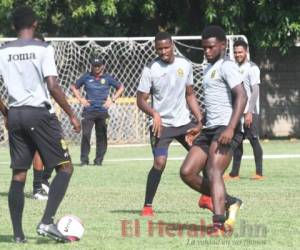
[231, 214]
[228, 177]
[51, 231]
[20, 240]
[218, 230]
[257, 177]
[45, 186]
[147, 211]
[84, 163]
[98, 163]
[205, 202]
[39, 194]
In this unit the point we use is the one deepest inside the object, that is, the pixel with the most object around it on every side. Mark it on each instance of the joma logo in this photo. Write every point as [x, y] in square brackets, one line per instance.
[21, 57]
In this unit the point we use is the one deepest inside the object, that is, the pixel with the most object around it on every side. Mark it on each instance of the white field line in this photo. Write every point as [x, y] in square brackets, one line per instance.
[245, 157]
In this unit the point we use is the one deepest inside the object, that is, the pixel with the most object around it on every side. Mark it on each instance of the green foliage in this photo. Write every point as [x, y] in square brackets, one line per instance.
[266, 23]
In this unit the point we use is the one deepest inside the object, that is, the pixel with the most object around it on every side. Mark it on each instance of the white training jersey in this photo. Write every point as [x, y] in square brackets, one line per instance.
[24, 64]
[251, 76]
[218, 80]
[167, 83]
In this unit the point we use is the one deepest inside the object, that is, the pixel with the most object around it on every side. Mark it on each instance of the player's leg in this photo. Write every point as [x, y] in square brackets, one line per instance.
[16, 203]
[101, 138]
[160, 153]
[218, 160]
[45, 179]
[54, 153]
[253, 136]
[236, 163]
[21, 152]
[38, 192]
[194, 163]
[87, 124]
[190, 169]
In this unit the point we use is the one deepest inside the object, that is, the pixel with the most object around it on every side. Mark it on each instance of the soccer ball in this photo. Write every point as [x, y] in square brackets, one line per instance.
[71, 227]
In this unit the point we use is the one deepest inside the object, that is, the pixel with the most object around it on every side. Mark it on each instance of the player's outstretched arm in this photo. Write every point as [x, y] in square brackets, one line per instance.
[146, 108]
[59, 96]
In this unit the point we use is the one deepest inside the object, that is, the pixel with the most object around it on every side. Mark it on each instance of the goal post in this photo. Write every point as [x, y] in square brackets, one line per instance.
[125, 58]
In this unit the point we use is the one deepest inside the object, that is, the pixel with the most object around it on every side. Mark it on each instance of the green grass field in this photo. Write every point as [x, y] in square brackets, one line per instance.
[105, 197]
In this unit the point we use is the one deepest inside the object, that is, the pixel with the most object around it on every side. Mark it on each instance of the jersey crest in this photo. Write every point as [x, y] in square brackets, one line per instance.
[180, 72]
[213, 74]
[102, 81]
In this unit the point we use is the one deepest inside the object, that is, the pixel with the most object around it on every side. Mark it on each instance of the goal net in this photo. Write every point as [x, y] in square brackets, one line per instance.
[124, 59]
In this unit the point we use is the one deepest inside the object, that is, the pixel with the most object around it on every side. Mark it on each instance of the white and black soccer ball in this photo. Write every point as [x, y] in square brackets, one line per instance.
[71, 227]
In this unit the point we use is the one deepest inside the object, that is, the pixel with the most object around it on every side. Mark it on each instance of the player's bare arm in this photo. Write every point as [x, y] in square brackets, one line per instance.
[4, 112]
[146, 108]
[79, 97]
[252, 104]
[115, 96]
[240, 101]
[3, 109]
[59, 96]
[196, 111]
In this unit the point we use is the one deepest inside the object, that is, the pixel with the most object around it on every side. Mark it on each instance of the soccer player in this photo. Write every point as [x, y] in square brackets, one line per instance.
[97, 85]
[225, 100]
[29, 73]
[169, 80]
[251, 76]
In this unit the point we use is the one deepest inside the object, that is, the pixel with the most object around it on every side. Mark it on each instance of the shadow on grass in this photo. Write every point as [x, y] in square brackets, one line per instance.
[9, 239]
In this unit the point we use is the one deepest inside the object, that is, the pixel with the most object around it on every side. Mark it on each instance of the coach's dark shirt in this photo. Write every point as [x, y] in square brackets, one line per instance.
[97, 90]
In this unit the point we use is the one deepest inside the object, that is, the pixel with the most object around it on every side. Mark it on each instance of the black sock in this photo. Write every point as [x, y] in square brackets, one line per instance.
[204, 188]
[258, 154]
[16, 206]
[152, 184]
[37, 179]
[47, 174]
[218, 219]
[236, 162]
[57, 192]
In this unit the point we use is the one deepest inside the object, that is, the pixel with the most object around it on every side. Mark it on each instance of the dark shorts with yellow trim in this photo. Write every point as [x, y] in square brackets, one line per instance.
[208, 135]
[31, 129]
[161, 145]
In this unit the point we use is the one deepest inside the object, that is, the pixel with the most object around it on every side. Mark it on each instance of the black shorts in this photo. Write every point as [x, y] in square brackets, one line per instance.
[208, 135]
[31, 129]
[160, 145]
[253, 131]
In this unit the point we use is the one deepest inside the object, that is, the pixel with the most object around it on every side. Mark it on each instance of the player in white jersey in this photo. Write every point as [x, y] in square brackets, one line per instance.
[225, 100]
[29, 72]
[251, 76]
[169, 80]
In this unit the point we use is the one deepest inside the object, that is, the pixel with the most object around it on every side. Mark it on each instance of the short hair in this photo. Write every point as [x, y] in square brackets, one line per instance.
[23, 17]
[214, 31]
[241, 43]
[163, 36]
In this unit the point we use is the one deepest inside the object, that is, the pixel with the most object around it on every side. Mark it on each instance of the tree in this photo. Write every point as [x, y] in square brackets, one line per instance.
[266, 23]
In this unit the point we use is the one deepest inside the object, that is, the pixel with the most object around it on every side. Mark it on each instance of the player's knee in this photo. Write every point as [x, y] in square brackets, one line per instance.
[66, 167]
[19, 175]
[185, 173]
[160, 163]
[214, 172]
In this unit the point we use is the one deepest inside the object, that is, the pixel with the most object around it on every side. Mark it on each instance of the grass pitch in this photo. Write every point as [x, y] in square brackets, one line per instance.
[109, 198]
